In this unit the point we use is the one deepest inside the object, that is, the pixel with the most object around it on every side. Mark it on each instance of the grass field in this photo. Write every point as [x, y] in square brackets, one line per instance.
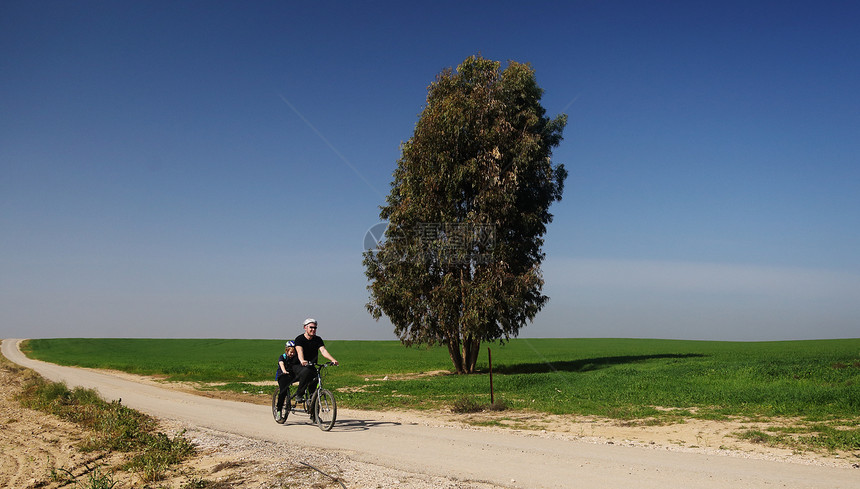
[813, 384]
[618, 378]
[811, 389]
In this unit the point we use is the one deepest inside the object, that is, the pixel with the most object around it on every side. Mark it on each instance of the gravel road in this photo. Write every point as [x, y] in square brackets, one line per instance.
[394, 441]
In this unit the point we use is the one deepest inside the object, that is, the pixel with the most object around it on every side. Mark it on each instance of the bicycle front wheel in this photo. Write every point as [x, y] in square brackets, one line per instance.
[325, 409]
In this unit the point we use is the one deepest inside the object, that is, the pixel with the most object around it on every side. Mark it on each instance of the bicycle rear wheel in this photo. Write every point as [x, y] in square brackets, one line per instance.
[285, 409]
[325, 409]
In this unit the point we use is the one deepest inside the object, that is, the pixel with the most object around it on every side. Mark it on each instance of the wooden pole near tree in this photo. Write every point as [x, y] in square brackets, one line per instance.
[490, 360]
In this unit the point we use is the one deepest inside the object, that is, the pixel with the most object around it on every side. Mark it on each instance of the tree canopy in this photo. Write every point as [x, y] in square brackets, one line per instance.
[467, 212]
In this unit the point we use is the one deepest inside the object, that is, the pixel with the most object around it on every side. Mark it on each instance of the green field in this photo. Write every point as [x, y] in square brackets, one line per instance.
[813, 387]
[618, 378]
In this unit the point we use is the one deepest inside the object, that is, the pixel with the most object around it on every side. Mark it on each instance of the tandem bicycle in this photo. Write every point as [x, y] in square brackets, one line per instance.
[321, 405]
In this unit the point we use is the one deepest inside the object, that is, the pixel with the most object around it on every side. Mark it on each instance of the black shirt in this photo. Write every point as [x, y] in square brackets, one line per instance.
[310, 347]
[288, 363]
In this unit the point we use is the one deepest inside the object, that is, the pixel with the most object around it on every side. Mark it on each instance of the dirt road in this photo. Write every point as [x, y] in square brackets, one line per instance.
[505, 459]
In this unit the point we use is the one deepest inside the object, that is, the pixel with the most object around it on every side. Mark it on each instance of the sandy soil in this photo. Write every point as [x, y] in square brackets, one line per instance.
[402, 449]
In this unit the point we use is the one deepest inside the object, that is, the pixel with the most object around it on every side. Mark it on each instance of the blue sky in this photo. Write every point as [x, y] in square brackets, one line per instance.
[210, 169]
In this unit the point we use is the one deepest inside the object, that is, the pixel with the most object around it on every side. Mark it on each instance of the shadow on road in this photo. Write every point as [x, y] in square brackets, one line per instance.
[360, 424]
[346, 425]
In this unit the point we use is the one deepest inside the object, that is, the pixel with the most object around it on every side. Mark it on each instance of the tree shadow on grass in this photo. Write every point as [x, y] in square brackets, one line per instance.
[587, 364]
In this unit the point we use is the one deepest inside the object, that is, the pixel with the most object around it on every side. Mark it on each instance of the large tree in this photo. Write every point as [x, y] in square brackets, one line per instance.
[467, 212]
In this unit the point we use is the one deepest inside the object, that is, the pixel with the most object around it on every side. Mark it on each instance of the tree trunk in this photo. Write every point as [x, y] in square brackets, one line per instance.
[454, 351]
[471, 348]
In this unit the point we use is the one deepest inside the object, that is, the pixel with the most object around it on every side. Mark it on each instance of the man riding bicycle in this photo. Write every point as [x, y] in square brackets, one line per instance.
[308, 348]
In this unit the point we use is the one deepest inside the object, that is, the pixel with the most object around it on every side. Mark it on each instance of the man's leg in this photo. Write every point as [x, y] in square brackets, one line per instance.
[304, 376]
[311, 389]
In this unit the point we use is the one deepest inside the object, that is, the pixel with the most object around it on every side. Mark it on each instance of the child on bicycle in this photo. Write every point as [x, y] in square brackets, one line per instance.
[284, 374]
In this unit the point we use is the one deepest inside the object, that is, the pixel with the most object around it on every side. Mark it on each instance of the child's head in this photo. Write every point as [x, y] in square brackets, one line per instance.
[290, 348]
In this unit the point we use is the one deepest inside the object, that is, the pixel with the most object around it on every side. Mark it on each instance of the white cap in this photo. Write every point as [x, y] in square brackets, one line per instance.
[309, 321]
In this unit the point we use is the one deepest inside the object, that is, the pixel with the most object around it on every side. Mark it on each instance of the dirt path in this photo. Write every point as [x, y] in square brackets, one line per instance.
[417, 445]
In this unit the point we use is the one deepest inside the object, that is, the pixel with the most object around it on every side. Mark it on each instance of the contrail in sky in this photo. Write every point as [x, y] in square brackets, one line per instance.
[331, 146]
[570, 103]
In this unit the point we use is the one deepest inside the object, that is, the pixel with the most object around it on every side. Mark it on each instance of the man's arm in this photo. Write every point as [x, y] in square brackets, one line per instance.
[300, 352]
[326, 354]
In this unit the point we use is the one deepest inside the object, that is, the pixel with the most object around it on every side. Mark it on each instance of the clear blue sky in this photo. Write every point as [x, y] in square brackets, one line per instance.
[210, 169]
